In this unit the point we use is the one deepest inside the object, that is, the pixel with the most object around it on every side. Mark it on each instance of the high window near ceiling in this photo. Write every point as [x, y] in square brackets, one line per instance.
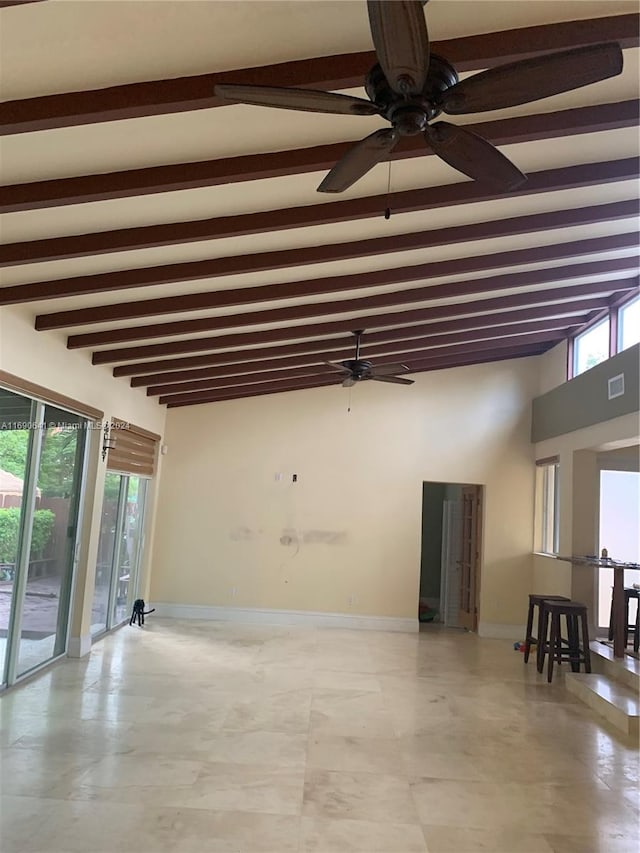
[591, 347]
[618, 330]
[629, 324]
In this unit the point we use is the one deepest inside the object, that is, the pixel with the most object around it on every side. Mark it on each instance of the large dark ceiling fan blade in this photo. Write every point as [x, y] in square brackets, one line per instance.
[358, 160]
[473, 156]
[397, 380]
[389, 369]
[334, 366]
[307, 100]
[400, 38]
[531, 79]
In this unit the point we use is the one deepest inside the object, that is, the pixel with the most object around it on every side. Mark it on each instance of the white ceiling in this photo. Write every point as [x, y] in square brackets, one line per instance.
[63, 46]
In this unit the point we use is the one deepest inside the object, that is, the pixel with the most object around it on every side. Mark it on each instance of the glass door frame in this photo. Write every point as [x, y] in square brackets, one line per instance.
[123, 491]
[136, 557]
[27, 510]
[117, 550]
[76, 515]
[10, 675]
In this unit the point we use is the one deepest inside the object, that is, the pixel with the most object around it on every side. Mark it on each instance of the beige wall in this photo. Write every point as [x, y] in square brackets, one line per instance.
[45, 360]
[346, 537]
[552, 368]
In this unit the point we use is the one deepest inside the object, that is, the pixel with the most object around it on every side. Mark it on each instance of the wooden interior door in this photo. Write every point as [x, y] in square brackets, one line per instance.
[470, 557]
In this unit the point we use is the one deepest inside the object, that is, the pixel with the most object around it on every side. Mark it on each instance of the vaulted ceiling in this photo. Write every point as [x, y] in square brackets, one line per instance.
[181, 242]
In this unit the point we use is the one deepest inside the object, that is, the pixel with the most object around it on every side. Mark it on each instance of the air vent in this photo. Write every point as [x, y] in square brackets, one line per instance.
[616, 386]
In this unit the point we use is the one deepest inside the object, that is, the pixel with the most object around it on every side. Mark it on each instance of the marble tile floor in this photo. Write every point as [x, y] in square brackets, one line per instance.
[190, 737]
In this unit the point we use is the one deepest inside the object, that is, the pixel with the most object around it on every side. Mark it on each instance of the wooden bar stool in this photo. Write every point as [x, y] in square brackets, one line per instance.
[629, 593]
[537, 601]
[575, 615]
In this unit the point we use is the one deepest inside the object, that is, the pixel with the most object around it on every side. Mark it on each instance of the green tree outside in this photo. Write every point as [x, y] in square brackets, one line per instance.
[57, 458]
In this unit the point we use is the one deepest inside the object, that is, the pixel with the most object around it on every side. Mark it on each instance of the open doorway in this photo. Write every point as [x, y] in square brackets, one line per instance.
[619, 533]
[451, 554]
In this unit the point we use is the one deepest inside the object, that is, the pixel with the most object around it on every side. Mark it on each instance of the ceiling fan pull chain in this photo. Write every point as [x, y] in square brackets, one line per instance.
[387, 210]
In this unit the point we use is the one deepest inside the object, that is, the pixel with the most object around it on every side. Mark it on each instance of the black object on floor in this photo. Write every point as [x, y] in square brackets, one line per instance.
[138, 613]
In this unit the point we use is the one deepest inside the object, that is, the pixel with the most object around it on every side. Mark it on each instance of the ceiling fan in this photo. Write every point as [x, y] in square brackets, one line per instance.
[359, 369]
[410, 87]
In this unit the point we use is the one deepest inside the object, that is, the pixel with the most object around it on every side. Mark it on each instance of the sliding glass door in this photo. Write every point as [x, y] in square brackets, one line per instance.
[41, 466]
[45, 612]
[130, 550]
[119, 551]
[106, 551]
[15, 413]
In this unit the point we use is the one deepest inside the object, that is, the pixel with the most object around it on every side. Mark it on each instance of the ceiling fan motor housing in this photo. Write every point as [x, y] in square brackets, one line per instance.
[359, 368]
[411, 114]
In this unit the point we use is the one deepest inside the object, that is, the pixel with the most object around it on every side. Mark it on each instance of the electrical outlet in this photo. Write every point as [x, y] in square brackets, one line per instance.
[234, 591]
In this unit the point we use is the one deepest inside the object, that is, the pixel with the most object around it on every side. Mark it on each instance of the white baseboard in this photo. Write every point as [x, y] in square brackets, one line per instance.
[285, 617]
[79, 646]
[498, 631]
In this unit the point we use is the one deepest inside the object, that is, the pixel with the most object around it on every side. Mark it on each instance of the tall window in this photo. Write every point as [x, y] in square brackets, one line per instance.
[548, 506]
[591, 347]
[629, 324]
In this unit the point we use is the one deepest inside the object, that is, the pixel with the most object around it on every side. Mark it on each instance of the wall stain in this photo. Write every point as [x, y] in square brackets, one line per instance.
[313, 537]
[244, 534]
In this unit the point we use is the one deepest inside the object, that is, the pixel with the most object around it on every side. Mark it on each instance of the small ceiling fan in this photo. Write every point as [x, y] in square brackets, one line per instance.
[410, 87]
[359, 369]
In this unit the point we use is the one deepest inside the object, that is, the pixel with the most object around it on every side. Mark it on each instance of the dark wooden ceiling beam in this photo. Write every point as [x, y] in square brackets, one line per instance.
[244, 224]
[307, 311]
[143, 371]
[293, 374]
[286, 258]
[341, 348]
[234, 297]
[440, 363]
[418, 348]
[59, 192]
[233, 394]
[344, 71]
[500, 306]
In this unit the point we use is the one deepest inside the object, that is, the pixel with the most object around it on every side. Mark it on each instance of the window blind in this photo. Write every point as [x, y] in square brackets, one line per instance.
[133, 450]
